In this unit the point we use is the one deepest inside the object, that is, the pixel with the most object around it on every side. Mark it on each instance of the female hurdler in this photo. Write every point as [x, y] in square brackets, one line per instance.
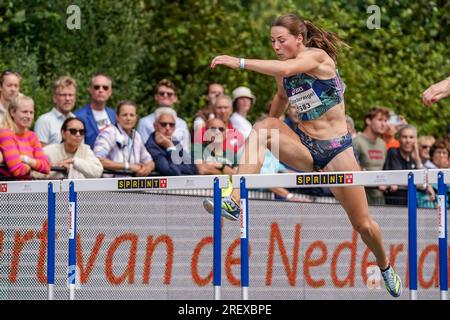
[308, 80]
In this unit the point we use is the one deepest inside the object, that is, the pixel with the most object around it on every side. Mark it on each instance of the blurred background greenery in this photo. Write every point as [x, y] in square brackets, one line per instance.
[139, 42]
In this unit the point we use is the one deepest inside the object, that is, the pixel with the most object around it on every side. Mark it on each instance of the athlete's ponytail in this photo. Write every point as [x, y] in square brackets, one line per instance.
[318, 38]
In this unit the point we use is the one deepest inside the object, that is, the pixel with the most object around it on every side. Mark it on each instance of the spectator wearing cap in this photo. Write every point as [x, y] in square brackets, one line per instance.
[243, 100]
[393, 124]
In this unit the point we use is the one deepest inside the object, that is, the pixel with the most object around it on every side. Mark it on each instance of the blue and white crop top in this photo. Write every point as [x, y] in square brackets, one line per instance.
[313, 97]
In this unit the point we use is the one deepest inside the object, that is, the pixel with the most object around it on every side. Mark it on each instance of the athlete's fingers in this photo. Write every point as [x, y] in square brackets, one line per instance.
[213, 63]
[428, 97]
[216, 61]
[426, 101]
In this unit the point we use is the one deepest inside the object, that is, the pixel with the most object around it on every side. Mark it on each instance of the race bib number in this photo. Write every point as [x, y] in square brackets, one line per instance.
[303, 98]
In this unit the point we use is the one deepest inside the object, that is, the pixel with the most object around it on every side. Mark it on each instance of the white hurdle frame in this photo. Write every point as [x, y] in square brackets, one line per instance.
[314, 179]
[442, 177]
[140, 184]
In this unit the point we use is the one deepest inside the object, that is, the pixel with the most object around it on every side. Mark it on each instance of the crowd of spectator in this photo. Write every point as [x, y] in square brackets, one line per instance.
[101, 141]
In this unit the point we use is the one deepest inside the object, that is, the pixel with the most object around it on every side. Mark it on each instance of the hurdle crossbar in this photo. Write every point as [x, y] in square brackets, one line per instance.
[146, 183]
[330, 179]
[29, 186]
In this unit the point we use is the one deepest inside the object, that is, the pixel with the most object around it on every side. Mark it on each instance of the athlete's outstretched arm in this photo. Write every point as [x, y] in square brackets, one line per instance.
[436, 92]
[304, 62]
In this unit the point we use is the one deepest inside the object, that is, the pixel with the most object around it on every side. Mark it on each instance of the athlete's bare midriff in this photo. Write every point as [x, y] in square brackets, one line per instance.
[330, 125]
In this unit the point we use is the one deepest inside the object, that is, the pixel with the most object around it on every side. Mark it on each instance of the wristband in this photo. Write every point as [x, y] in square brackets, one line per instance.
[26, 159]
[127, 165]
[242, 63]
[172, 148]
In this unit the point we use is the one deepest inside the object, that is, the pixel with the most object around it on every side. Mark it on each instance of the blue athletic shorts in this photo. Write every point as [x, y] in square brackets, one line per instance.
[323, 151]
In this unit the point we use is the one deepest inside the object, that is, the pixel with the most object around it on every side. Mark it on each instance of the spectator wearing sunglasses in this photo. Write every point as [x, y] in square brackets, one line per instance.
[9, 89]
[233, 139]
[97, 115]
[165, 96]
[213, 149]
[171, 159]
[120, 147]
[425, 143]
[20, 146]
[439, 159]
[48, 125]
[72, 154]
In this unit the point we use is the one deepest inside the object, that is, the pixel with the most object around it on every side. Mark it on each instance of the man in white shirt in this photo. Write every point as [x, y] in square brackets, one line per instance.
[48, 125]
[97, 115]
[166, 96]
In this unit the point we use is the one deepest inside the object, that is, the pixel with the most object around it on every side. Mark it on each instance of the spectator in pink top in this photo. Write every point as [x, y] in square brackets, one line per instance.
[22, 151]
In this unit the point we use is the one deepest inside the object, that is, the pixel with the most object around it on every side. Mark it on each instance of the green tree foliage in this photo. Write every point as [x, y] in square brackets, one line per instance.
[139, 42]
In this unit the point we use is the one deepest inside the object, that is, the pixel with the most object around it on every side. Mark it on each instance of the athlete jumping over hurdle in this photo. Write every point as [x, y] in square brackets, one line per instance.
[308, 80]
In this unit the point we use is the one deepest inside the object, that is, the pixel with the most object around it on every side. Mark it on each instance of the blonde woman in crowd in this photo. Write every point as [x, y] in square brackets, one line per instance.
[22, 151]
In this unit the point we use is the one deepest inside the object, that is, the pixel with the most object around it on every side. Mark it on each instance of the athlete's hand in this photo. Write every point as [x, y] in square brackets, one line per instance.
[436, 92]
[229, 61]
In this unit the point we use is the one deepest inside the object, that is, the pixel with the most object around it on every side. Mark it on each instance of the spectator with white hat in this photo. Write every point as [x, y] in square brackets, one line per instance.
[243, 100]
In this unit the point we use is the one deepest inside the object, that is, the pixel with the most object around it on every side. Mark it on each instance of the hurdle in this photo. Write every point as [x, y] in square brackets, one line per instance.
[442, 178]
[50, 187]
[408, 178]
[127, 184]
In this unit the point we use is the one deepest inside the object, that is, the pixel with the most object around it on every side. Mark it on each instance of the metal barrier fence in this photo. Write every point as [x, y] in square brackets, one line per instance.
[132, 244]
